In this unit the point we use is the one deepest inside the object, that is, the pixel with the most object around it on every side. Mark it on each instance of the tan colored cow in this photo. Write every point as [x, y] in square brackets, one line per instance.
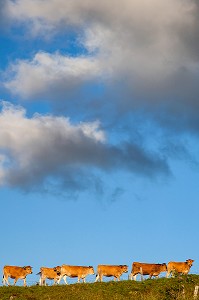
[49, 273]
[110, 270]
[179, 267]
[15, 273]
[147, 269]
[75, 271]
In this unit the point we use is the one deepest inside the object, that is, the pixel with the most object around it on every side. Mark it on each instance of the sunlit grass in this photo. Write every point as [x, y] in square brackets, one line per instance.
[156, 289]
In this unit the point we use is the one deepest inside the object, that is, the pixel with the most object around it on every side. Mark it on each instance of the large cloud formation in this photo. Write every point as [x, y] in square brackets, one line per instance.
[42, 149]
[152, 44]
[149, 49]
[137, 72]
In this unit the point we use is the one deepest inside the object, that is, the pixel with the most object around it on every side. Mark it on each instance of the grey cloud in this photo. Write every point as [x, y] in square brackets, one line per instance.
[150, 50]
[4, 22]
[70, 166]
[143, 57]
[44, 149]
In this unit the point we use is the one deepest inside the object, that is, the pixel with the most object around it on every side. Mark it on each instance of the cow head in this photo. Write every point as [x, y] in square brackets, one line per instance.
[57, 270]
[28, 269]
[164, 267]
[91, 270]
[189, 262]
[124, 268]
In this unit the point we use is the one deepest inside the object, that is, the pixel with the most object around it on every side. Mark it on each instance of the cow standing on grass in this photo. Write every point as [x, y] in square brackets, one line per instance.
[147, 269]
[49, 273]
[110, 270]
[179, 267]
[75, 271]
[15, 273]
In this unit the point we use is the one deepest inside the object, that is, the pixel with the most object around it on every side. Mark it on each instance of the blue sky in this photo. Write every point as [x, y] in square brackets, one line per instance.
[99, 132]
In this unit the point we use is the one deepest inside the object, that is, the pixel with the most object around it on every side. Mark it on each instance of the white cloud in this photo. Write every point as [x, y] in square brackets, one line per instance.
[46, 71]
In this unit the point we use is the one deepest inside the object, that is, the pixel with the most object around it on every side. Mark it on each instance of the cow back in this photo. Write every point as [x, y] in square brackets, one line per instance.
[75, 271]
[17, 272]
[112, 270]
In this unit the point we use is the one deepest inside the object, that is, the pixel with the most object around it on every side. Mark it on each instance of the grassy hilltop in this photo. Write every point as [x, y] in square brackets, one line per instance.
[150, 289]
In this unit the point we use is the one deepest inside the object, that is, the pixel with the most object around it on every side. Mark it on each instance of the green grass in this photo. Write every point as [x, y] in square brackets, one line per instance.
[153, 289]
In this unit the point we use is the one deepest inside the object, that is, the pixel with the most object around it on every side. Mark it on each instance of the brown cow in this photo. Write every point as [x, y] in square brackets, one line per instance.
[16, 273]
[179, 267]
[49, 273]
[110, 270]
[147, 269]
[75, 271]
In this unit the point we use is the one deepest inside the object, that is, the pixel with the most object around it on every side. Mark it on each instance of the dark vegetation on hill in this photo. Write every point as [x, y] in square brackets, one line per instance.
[151, 289]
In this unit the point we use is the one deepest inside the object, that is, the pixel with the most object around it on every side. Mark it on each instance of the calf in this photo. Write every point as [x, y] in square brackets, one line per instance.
[15, 273]
[110, 270]
[49, 273]
[179, 267]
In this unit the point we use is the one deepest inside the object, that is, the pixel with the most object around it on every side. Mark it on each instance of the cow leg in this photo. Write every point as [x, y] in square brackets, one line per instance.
[15, 281]
[5, 280]
[168, 273]
[58, 281]
[42, 281]
[64, 278]
[134, 277]
[141, 274]
[97, 277]
[130, 276]
[173, 274]
[24, 282]
[101, 278]
[84, 279]
[54, 282]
